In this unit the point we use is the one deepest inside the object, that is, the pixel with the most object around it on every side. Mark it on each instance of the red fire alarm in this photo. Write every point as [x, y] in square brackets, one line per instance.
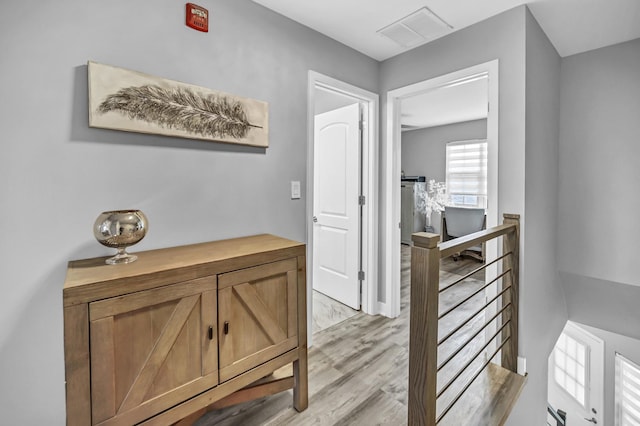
[197, 17]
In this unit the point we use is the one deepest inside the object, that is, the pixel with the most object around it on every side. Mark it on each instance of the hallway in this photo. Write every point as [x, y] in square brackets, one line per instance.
[357, 370]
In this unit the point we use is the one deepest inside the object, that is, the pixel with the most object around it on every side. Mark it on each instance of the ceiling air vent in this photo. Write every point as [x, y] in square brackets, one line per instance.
[416, 28]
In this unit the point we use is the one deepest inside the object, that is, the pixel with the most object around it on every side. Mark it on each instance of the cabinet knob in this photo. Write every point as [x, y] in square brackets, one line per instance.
[226, 327]
[210, 333]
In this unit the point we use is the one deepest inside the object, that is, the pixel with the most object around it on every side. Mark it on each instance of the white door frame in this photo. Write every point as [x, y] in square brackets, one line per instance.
[370, 103]
[595, 372]
[391, 146]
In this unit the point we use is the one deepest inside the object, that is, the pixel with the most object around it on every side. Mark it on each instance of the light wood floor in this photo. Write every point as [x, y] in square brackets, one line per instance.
[357, 370]
[328, 312]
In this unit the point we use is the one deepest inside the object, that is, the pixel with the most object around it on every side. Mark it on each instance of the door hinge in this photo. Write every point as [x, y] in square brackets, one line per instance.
[361, 275]
[361, 200]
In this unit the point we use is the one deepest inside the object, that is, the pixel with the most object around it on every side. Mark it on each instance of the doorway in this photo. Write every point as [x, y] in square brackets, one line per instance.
[336, 210]
[576, 376]
[392, 177]
[356, 176]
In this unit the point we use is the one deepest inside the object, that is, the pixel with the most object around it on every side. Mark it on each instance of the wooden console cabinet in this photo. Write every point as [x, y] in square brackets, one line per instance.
[183, 330]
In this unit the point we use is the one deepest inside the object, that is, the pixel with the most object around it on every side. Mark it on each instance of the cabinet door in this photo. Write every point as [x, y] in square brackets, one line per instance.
[152, 349]
[257, 315]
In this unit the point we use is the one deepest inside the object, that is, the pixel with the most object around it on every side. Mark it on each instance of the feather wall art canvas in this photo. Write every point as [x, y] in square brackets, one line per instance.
[121, 99]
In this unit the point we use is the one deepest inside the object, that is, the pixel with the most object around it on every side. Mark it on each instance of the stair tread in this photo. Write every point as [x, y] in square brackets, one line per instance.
[488, 401]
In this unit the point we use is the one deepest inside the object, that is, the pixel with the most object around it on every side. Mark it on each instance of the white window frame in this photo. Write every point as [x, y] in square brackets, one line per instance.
[481, 201]
[587, 375]
[624, 382]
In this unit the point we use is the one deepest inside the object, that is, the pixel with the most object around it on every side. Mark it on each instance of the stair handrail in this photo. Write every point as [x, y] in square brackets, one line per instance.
[424, 314]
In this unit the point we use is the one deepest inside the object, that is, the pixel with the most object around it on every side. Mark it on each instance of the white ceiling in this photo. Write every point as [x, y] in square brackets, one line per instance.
[446, 105]
[573, 26]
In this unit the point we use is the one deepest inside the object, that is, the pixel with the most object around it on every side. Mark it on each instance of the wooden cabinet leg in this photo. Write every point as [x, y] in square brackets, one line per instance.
[301, 388]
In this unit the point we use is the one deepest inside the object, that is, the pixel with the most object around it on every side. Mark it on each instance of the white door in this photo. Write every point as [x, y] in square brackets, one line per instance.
[336, 233]
[576, 376]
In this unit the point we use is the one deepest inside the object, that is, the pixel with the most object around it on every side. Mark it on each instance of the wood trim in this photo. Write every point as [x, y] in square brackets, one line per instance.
[511, 243]
[209, 319]
[510, 395]
[91, 279]
[207, 398]
[239, 366]
[258, 272]
[77, 367]
[423, 333]
[134, 301]
[167, 259]
[159, 404]
[103, 392]
[301, 366]
[225, 351]
[425, 239]
[253, 392]
[292, 303]
[165, 342]
[451, 247]
[256, 307]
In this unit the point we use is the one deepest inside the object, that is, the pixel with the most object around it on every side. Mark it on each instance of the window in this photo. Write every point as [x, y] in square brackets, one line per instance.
[570, 360]
[627, 392]
[467, 173]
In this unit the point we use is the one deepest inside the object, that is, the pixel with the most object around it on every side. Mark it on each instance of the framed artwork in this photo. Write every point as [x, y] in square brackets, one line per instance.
[132, 101]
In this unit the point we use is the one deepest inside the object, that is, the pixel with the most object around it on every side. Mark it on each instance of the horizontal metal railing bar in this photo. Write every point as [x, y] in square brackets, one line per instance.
[462, 346]
[469, 297]
[465, 322]
[456, 245]
[475, 376]
[475, 271]
[464, 367]
[554, 413]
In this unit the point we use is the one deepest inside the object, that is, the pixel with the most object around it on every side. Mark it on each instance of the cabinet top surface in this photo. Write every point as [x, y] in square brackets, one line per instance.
[88, 271]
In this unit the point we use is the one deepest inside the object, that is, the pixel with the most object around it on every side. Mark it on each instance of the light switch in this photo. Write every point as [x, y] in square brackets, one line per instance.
[295, 189]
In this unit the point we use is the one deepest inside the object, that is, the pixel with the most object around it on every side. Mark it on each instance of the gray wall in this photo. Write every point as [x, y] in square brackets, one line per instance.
[424, 150]
[503, 37]
[613, 342]
[543, 310]
[598, 193]
[599, 173]
[500, 37]
[57, 174]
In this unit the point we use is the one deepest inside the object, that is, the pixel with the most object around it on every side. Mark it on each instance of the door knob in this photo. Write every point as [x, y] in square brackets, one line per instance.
[592, 420]
[315, 219]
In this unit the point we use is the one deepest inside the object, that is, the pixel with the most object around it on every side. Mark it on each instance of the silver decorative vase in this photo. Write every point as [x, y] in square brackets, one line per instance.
[120, 229]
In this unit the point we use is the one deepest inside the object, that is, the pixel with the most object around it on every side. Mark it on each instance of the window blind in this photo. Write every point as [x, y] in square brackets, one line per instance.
[466, 169]
[627, 395]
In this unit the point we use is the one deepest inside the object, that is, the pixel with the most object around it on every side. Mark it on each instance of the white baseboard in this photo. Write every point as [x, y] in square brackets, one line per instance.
[383, 310]
[522, 365]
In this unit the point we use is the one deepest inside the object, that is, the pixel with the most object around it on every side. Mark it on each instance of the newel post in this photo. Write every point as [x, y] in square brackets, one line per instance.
[423, 328]
[511, 243]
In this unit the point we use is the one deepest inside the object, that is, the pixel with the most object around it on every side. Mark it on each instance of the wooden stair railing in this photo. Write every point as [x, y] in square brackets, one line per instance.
[426, 253]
